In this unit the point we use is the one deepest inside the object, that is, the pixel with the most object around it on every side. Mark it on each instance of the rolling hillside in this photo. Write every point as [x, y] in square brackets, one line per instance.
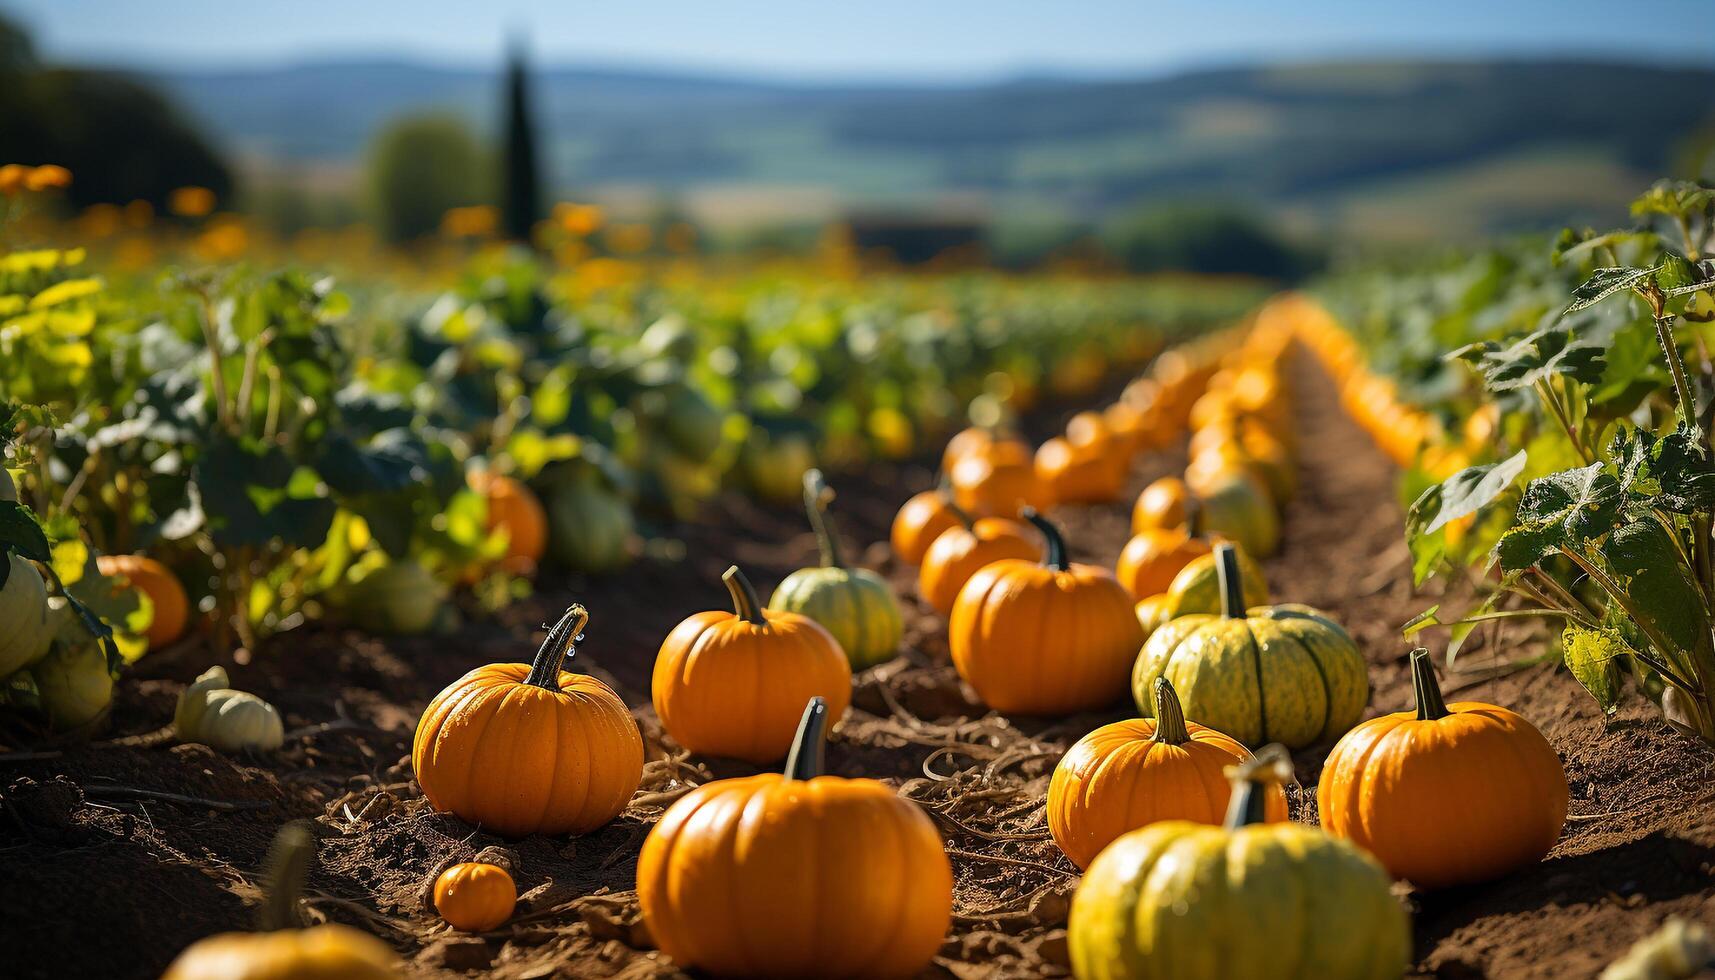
[1397, 148]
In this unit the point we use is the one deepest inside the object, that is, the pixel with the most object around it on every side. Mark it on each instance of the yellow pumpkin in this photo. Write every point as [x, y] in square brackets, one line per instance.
[475, 896]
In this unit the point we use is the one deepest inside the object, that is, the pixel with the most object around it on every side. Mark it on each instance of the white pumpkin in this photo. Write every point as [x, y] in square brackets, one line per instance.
[74, 683]
[212, 713]
[26, 628]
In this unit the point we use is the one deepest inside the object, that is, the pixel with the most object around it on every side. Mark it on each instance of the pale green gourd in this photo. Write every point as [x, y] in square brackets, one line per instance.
[74, 683]
[210, 711]
[26, 627]
[853, 604]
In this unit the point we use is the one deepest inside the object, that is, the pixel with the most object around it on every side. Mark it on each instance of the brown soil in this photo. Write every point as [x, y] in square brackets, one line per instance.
[111, 882]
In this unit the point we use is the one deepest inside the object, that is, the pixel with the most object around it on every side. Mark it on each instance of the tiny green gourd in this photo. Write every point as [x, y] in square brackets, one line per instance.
[854, 604]
[400, 597]
[210, 711]
[589, 526]
[74, 683]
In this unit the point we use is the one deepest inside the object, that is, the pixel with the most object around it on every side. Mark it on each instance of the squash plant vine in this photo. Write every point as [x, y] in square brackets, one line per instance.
[1618, 548]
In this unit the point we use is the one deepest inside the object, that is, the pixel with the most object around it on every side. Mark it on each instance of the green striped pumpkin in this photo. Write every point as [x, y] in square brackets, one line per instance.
[1285, 673]
[854, 604]
[26, 627]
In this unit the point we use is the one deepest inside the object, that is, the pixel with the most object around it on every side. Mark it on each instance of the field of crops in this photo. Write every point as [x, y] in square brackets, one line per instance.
[567, 613]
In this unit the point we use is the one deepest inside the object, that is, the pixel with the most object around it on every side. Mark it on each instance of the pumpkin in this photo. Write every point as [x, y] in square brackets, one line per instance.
[166, 595]
[515, 510]
[283, 951]
[211, 712]
[1262, 901]
[1089, 474]
[589, 526]
[1164, 504]
[1275, 674]
[1043, 639]
[522, 749]
[985, 443]
[1150, 560]
[26, 628]
[853, 604]
[1449, 794]
[796, 875]
[74, 682]
[1151, 613]
[1211, 467]
[920, 522]
[1136, 772]
[475, 896]
[733, 684]
[774, 463]
[1196, 588]
[987, 488]
[958, 553]
[398, 597]
[1238, 508]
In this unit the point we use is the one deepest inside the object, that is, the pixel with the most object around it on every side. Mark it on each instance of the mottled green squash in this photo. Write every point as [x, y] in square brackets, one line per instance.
[854, 604]
[589, 526]
[1178, 900]
[399, 597]
[1238, 508]
[1284, 673]
[1197, 587]
[73, 681]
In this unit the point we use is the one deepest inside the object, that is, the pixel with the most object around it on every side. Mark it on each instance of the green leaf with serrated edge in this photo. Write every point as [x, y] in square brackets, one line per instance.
[1674, 472]
[1674, 198]
[1422, 621]
[1644, 562]
[1559, 511]
[1604, 283]
[1595, 658]
[1471, 489]
[1552, 351]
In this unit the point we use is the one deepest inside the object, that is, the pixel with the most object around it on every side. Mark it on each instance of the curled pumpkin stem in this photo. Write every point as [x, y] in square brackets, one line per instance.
[288, 867]
[745, 604]
[809, 746]
[1054, 556]
[817, 496]
[1425, 689]
[1170, 728]
[561, 645]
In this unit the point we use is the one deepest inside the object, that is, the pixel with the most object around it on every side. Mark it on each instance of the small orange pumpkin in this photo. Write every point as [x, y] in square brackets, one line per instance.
[983, 443]
[153, 579]
[733, 684]
[986, 487]
[1163, 504]
[521, 749]
[768, 876]
[475, 896]
[512, 507]
[1087, 474]
[1042, 639]
[1150, 560]
[1135, 772]
[959, 552]
[1450, 794]
[920, 521]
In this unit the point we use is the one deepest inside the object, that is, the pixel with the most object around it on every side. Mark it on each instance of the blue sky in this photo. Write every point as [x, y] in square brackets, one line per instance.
[879, 39]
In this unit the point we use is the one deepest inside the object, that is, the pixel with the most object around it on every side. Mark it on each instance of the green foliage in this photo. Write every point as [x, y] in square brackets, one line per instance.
[1213, 239]
[418, 168]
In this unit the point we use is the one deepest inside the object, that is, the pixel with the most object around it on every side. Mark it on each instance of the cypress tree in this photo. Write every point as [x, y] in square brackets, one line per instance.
[520, 191]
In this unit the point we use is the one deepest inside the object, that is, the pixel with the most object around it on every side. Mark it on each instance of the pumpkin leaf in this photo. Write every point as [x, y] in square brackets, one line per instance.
[21, 535]
[1466, 492]
[1560, 511]
[1644, 561]
[1557, 349]
[1595, 658]
[1604, 283]
[1674, 472]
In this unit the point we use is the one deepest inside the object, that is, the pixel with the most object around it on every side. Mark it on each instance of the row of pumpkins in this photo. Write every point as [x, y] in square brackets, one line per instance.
[1193, 869]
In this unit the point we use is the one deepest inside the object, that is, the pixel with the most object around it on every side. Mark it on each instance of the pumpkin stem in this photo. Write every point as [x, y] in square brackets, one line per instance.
[1424, 687]
[562, 642]
[1232, 581]
[965, 519]
[1193, 517]
[1251, 782]
[805, 759]
[1055, 556]
[745, 605]
[1169, 716]
[817, 494]
[286, 868]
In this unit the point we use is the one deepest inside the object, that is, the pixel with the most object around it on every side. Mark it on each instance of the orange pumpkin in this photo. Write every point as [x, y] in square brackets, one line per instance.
[958, 553]
[1153, 557]
[983, 443]
[1135, 772]
[733, 684]
[987, 488]
[920, 522]
[1450, 794]
[796, 875]
[153, 579]
[1153, 611]
[522, 749]
[1129, 425]
[1049, 638]
[513, 508]
[1163, 504]
[475, 897]
[1088, 474]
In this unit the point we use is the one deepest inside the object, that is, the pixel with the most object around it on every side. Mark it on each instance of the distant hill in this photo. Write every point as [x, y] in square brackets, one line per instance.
[1392, 148]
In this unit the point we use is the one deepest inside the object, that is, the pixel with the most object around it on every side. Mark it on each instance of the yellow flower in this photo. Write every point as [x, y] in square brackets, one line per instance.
[478, 221]
[578, 219]
[191, 202]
